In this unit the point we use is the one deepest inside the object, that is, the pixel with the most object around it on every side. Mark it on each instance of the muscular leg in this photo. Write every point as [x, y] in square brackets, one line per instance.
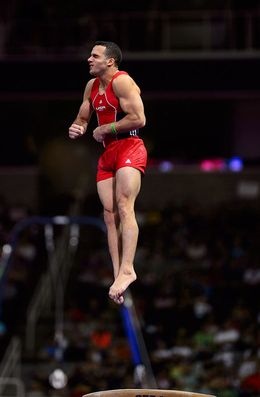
[106, 191]
[118, 198]
[128, 181]
[114, 239]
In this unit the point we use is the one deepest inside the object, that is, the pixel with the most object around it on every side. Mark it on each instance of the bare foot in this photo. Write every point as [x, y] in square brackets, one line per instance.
[119, 300]
[119, 286]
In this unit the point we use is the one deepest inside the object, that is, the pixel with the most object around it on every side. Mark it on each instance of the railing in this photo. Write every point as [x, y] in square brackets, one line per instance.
[138, 33]
[10, 371]
[13, 387]
[53, 283]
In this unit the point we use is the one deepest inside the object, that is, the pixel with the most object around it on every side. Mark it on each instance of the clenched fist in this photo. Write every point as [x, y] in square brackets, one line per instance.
[76, 130]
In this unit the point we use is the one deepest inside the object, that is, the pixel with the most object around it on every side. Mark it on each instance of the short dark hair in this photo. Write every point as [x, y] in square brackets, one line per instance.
[112, 50]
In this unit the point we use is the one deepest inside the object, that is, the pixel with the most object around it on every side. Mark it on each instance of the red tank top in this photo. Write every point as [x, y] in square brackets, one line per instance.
[107, 107]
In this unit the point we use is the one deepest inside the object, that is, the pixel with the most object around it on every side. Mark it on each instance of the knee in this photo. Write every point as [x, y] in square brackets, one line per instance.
[124, 209]
[110, 217]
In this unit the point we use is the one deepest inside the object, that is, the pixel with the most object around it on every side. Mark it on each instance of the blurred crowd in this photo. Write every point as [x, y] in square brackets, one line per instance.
[197, 299]
[19, 274]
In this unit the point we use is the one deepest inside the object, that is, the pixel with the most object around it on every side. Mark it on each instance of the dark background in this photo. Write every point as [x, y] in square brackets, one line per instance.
[190, 105]
[198, 103]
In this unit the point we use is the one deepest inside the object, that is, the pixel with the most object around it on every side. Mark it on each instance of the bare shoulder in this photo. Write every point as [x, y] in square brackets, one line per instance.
[123, 83]
[88, 88]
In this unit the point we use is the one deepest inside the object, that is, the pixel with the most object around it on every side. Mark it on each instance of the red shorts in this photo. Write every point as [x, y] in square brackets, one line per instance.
[128, 152]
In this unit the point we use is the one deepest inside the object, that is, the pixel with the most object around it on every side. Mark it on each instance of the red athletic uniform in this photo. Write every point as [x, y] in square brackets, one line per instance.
[125, 149]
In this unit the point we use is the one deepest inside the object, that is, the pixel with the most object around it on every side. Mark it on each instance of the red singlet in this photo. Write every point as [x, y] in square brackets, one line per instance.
[125, 149]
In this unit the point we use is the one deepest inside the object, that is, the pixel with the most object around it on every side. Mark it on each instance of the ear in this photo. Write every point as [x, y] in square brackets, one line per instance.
[111, 62]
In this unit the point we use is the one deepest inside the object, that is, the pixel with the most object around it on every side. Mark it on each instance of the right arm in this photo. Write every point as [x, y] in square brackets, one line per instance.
[79, 125]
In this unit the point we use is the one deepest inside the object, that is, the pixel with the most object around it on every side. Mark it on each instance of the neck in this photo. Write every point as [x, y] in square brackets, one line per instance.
[107, 77]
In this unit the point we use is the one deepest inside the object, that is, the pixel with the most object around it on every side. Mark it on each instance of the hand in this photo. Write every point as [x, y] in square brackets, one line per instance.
[75, 131]
[100, 132]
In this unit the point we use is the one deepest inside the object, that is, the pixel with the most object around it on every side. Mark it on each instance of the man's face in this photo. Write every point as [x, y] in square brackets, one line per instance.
[98, 62]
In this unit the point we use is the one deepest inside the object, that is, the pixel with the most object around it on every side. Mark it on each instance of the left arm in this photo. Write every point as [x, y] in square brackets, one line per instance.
[131, 103]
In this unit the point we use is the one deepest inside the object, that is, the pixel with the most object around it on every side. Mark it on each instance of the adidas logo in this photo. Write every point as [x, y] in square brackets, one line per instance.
[128, 161]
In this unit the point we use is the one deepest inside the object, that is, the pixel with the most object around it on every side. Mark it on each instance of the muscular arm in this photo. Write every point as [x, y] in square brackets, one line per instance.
[131, 103]
[128, 94]
[79, 125]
